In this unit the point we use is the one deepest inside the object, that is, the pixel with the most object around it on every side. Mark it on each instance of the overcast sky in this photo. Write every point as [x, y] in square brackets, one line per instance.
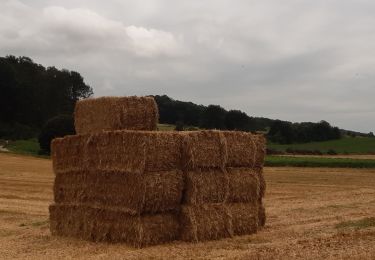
[296, 60]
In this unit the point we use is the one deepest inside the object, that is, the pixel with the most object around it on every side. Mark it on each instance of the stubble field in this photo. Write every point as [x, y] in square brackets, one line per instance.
[313, 213]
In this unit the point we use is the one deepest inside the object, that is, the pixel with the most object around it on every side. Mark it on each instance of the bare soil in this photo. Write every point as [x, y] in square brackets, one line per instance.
[311, 214]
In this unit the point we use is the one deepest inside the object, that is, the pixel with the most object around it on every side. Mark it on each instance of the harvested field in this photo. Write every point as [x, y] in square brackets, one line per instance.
[312, 213]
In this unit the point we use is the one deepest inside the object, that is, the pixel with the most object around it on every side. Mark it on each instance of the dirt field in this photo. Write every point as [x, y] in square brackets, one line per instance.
[312, 214]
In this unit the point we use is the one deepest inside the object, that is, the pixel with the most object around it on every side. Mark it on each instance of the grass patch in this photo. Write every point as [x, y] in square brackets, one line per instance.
[357, 224]
[166, 127]
[277, 161]
[350, 145]
[29, 147]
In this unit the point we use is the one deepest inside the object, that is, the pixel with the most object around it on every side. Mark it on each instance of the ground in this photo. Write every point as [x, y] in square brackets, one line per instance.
[313, 213]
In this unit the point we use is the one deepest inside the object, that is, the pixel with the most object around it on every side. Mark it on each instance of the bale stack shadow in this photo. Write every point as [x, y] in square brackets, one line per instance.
[117, 182]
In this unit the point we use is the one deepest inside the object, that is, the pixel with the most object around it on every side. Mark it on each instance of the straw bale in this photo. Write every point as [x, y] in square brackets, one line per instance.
[205, 186]
[112, 225]
[204, 149]
[219, 186]
[244, 185]
[163, 151]
[243, 218]
[67, 153]
[215, 221]
[126, 151]
[147, 193]
[245, 149]
[115, 113]
[204, 222]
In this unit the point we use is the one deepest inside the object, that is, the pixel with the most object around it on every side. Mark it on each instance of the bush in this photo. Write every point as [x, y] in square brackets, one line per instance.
[179, 126]
[331, 152]
[58, 126]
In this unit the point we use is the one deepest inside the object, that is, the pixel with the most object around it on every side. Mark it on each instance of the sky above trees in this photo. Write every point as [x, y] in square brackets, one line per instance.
[293, 60]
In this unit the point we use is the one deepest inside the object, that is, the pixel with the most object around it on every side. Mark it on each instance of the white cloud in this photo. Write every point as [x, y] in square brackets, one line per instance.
[151, 42]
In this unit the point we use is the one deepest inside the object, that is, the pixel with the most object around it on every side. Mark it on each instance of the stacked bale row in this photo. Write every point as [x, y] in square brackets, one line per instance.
[224, 185]
[118, 186]
[147, 187]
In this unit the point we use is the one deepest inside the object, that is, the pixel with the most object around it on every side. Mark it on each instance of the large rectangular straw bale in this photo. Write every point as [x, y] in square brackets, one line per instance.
[219, 186]
[244, 218]
[244, 185]
[245, 149]
[115, 113]
[204, 222]
[215, 221]
[67, 153]
[112, 225]
[126, 151]
[147, 193]
[204, 149]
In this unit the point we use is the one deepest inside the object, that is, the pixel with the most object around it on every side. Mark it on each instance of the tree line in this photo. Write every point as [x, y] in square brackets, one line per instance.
[216, 117]
[31, 94]
[208, 117]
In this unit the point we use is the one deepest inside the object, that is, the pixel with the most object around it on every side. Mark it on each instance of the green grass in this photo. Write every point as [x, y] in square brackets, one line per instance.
[357, 145]
[318, 162]
[28, 147]
[358, 224]
[166, 127]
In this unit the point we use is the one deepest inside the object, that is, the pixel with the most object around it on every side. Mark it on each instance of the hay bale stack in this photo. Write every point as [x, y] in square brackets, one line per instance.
[115, 113]
[147, 187]
[223, 185]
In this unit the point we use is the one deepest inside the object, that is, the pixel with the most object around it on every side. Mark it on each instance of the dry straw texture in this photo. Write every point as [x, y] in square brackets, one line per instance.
[215, 221]
[124, 151]
[151, 192]
[115, 113]
[261, 215]
[204, 149]
[245, 149]
[244, 218]
[148, 187]
[221, 186]
[112, 225]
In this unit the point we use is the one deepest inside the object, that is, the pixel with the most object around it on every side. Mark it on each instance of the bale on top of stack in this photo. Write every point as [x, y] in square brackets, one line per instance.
[148, 187]
[115, 113]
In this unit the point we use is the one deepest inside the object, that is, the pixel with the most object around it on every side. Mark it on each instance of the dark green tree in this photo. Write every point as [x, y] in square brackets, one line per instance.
[213, 117]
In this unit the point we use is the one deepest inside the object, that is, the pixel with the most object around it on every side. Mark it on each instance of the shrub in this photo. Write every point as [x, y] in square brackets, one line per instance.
[331, 152]
[179, 126]
[58, 126]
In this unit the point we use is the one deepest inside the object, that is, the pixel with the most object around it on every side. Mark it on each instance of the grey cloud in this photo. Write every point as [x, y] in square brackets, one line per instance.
[293, 60]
